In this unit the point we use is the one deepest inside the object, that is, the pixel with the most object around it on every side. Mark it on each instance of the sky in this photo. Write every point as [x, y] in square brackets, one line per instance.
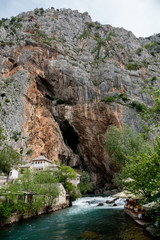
[142, 17]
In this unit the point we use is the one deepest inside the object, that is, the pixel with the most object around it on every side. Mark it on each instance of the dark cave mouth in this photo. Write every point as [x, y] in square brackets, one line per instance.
[70, 136]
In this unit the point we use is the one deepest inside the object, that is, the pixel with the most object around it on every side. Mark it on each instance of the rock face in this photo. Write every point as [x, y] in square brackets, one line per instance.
[57, 70]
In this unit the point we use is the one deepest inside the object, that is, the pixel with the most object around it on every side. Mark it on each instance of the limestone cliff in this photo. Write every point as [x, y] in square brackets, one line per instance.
[57, 69]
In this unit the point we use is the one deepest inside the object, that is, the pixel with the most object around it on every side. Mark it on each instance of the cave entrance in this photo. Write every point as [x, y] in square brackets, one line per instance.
[70, 136]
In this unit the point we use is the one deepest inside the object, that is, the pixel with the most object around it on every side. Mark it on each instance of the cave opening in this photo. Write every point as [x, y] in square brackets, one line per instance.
[70, 136]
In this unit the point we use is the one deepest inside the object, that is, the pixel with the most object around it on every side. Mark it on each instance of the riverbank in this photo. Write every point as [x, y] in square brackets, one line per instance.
[14, 218]
[83, 220]
[141, 222]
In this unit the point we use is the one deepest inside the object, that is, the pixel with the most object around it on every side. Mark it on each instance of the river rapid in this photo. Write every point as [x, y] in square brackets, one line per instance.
[84, 220]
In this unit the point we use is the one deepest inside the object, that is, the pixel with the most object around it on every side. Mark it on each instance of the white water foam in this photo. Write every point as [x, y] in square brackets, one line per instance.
[90, 202]
[85, 204]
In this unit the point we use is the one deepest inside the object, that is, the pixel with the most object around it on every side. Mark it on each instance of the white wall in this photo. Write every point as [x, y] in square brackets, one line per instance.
[13, 174]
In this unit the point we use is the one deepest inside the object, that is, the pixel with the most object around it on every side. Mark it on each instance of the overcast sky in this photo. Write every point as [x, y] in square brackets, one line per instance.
[142, 17]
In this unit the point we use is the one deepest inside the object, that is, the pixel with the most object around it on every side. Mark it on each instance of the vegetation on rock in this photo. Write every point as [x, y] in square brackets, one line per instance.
[85, 185]
[8, 156]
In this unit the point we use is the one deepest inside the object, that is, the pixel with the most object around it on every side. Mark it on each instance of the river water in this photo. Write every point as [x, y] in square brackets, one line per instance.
[84, 220]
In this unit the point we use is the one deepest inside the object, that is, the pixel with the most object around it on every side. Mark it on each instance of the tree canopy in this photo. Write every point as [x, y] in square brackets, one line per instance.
[139, 161]
[123, 142]
[8, 156]
[141, 174]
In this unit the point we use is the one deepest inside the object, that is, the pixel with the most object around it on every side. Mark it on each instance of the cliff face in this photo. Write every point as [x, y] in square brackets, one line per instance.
[57, 70]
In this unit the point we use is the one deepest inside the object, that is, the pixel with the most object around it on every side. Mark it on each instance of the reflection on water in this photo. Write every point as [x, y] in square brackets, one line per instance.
[84, 220]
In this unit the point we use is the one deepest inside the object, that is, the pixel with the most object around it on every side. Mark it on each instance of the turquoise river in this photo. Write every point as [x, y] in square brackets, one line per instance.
[84, 220]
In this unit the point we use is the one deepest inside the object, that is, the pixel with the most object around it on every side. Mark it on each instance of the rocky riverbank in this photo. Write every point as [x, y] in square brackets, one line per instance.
[17, 218]
[143, 223]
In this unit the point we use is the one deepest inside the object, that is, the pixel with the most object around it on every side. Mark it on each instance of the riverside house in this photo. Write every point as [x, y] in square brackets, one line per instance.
[37, 163]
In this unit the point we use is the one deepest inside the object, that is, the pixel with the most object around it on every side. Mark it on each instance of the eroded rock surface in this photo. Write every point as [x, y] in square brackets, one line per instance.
[56, 70]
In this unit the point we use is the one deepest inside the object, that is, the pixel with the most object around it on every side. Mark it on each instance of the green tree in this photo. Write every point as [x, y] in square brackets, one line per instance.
[8, 156]
[151, 116]
[46, 183]
[123, 142]
[66, 173]
[42, 177]
[2, 137]
[141, 174]
[85, 185]
[42, 194]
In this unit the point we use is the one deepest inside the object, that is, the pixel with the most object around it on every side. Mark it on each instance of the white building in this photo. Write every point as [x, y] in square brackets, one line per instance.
[40, 163]
[75, 181]
[13, 174]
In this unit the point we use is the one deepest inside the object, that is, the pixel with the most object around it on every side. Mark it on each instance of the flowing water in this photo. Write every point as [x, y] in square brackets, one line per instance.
[84, 220]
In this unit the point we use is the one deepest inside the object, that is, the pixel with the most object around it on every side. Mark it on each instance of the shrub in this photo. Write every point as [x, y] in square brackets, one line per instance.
[41, 11]
[13, 19]
[153, 78]
[139, 51]
[16, 135]
[123, 96]
[90, 24]
[7, 100]
[18, 25]
[36, 11]
[85, 34]
[149, 45]
[19, 19]
[59, 101]
[110, 35]
[29, 152]
[145, 63]
[2, 21]
[3, 44]
[98, 26]
[95, 83]
[133, 66]
[5, 211]
[109, 99]
[139, 106]
[100, 42]
[3, 95]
